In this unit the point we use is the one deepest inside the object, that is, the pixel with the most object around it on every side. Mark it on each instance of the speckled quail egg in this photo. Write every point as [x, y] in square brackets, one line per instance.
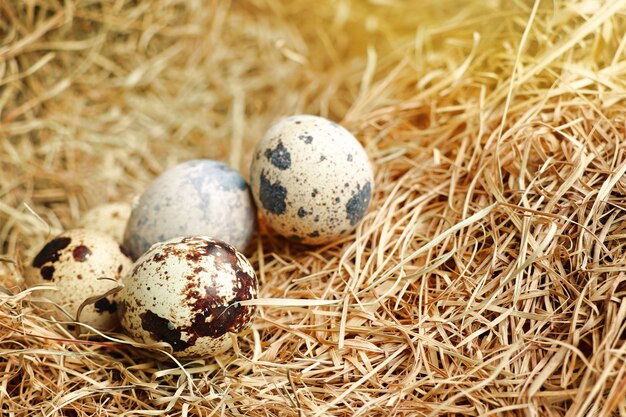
[107, 218]
[185, 292]
[311, 179]
[74, 261]
[195, 198]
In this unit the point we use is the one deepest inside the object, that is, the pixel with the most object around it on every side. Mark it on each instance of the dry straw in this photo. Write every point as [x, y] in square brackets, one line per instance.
[488, 278]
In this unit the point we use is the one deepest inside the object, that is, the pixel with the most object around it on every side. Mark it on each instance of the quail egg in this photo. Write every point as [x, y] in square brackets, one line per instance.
[199, 197]
[186, 292]
[74, 261]
[107, 218]
[311, 179]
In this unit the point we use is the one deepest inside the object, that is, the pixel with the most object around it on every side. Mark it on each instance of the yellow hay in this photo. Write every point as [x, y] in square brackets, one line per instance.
[488, 276]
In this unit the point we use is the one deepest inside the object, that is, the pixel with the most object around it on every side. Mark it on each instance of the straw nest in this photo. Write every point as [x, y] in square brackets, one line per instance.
[487, 278]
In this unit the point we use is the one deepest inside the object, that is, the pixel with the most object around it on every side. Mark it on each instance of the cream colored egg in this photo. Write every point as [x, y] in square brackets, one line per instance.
[311, 179]
[73, 262]
[107, 218]
[185, 292]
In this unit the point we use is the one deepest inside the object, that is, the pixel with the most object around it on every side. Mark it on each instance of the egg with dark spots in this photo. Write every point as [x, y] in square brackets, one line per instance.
[195, 198]
[108, 218]
[311, 179]
[73, 263]
[187, 292]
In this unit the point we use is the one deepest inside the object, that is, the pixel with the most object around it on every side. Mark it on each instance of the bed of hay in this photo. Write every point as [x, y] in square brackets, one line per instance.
[488, 277]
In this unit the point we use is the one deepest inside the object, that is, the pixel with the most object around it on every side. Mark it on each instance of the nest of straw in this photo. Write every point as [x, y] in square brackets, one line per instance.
[486, 279]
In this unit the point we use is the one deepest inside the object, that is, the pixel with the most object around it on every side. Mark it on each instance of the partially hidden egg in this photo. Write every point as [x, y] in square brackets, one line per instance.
[311, 179]
[195, 198]
[74, 262]
[186, 292]
[108, 218]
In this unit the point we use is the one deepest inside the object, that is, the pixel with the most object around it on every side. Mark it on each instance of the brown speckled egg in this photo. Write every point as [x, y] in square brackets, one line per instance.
[107, 218]
[73, 262]
[185, 292]
[311, 179]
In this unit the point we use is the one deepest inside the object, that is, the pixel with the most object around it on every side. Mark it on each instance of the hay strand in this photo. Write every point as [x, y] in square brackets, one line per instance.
[488, 277]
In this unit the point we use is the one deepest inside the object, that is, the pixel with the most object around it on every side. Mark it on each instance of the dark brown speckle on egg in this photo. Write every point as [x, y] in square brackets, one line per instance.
[81, 253]
[47, 272]
[51, 251]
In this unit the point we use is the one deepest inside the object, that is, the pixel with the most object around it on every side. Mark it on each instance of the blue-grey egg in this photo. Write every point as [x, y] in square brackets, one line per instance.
[198, 197]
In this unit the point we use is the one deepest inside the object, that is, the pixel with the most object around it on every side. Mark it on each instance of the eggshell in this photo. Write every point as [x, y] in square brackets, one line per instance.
[107, 218]
[311, 179]
[74, 261]
[185, 292]
[199, 197]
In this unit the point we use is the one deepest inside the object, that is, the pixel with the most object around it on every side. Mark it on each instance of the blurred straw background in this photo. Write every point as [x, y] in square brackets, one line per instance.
[488, 277]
